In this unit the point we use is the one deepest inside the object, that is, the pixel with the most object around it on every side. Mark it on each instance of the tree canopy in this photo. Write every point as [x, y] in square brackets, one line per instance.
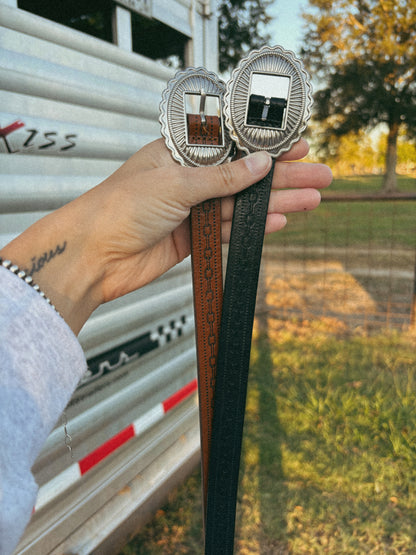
[364, 53]
[241, 28]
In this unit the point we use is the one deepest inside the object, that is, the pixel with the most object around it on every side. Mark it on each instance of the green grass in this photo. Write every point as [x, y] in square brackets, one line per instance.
[345, 429]
[378, 224]
[355, 225]
[370, 184]
[329, 455]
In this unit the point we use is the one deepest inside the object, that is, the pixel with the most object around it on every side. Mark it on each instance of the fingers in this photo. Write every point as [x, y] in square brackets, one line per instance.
[295, 187]
[199, 184]
[300, 200]
[298, 151]
[281, 202]
[227, 179]
[189, 186]
[301, 174]
[274, 222]
[156, 154]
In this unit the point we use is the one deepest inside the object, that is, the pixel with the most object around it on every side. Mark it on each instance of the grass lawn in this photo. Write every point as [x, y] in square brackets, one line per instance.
[370, 184]
[340, 473]
[329, 456]
[380, 224]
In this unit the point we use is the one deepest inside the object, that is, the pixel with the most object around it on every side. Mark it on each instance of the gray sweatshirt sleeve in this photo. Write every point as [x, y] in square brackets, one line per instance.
[41, 363]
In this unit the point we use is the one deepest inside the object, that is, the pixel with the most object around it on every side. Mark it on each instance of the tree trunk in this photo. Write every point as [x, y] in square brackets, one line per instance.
[390, 177]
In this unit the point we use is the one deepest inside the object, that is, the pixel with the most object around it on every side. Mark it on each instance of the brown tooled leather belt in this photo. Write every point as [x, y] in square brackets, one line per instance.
[207, 287]
[192, 124]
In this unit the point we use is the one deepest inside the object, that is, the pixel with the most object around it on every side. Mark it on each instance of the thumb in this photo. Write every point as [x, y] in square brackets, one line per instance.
[227, 179]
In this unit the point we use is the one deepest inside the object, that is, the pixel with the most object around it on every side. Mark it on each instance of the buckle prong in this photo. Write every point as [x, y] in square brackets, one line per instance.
[266, 108]
[202, 114]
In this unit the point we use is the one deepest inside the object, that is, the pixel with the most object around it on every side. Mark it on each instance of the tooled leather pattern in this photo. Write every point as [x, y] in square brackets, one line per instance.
[233, 364]
[207, 285]
[209, 134]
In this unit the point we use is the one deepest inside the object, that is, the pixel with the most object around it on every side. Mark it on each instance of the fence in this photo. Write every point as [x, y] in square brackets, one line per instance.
[353, 260]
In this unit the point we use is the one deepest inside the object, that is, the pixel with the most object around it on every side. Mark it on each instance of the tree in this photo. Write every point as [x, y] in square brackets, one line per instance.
[406, 152]
[240, 24]
[364, 53]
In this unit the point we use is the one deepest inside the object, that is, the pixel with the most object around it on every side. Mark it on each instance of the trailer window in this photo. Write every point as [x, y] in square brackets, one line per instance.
[158, 41]
[93, 17]
[151, 38]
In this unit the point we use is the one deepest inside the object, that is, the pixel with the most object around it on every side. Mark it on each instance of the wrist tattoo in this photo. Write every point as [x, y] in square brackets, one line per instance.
[39, 262]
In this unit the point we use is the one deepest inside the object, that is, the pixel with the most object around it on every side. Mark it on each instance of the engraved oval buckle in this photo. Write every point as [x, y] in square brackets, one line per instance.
[191, 117]
[268, 101]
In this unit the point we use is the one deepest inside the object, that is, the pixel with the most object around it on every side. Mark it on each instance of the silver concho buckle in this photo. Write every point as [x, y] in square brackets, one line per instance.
[191, 117]
[268, 101]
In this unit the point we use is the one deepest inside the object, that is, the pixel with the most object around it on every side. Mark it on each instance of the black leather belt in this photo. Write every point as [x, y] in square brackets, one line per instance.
[239, 301]
[267, 106]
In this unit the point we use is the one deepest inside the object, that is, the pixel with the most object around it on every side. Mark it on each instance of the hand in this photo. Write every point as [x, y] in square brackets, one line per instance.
[134, 226]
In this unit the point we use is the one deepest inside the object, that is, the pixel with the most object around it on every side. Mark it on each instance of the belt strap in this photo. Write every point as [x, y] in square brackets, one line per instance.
[239, 301]
[207, 287]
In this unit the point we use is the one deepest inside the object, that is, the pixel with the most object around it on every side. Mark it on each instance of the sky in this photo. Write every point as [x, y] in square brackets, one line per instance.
[286, 27]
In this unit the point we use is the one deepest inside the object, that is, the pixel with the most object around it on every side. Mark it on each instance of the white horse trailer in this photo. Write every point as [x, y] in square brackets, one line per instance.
[73, 107]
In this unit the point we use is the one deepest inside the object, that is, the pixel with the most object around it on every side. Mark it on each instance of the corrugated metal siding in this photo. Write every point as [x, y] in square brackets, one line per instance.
[78, 107]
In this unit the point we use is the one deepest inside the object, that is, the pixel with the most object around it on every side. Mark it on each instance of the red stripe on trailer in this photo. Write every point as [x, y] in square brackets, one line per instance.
[73, 473]
[106, 449]
[180, 395]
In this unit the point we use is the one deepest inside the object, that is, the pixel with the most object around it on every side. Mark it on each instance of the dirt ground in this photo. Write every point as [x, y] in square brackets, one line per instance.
[360, 289]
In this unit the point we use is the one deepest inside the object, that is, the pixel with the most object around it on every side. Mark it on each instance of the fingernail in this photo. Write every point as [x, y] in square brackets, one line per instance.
[258, 162]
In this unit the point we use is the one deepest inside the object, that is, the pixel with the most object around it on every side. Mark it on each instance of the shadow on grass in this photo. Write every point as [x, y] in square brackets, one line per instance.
[261, 517]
